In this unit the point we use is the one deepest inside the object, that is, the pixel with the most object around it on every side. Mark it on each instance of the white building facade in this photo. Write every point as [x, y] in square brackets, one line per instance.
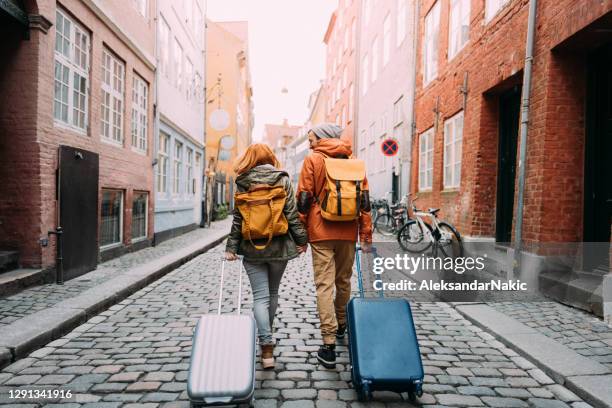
[386, 64]
[179, 133]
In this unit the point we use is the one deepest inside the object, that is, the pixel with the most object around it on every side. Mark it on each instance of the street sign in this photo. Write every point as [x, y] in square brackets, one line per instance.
[389, 147]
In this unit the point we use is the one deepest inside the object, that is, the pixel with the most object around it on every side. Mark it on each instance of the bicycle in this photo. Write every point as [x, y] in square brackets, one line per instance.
[390, 223]
[417, 236]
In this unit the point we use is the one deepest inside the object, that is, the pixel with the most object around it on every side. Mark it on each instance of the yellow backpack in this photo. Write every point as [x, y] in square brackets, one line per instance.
[342, 191]
[261, 208]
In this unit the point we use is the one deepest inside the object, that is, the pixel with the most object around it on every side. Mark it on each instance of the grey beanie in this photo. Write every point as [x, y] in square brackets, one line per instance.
[327, 131]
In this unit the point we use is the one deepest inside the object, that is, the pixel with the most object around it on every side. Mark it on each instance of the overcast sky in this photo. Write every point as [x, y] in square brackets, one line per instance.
[286, 50]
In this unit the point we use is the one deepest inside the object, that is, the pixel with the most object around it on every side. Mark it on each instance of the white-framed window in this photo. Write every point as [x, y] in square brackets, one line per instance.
[178, 165]
[398, 111]
[140, 207]
[430, 46]
[188, 79]
[375, 57]
[453, 138]
[351, 102]
[400, 32]
[364, 75]
[426, 149]
[165, 37]
[141, 7]
[386, 39]
[177, 51]
[139, 113]
[353, 33]
[162, 162]
[111, 225]
[459, 32]
[113, 96]
[189, 172]
[71, 72]
[492, 7]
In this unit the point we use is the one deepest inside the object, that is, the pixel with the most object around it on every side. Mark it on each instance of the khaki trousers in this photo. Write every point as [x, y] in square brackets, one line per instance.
[333, 266]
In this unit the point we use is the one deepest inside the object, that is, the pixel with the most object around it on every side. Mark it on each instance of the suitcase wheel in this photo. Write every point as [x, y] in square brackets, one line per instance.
[364, 394]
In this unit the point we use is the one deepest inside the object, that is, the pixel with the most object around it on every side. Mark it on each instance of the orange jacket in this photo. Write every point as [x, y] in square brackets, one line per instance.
[312, 180]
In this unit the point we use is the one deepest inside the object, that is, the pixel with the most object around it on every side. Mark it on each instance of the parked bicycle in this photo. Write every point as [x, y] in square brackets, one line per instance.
[391, 222]
[417, 236]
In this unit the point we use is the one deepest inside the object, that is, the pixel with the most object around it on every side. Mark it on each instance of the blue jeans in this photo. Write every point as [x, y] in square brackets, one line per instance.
[265, 278]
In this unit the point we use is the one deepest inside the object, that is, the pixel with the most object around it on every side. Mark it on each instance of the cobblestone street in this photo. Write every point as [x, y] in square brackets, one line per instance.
[138, 351]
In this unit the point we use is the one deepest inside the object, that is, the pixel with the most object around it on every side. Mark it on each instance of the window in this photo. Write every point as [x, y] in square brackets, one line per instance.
[459, 32]
[426, 160]
[351, 103]
[353, 34]
[375, 59]
[162, 163]
[398, 111]
[453, 137]
[188, 79]
[139, 113]
[492, 7]
[139, 216]
[178, 64]
[401, 22]
[71, 72]
[178, 162]
[386, 39]
[430, 48]
[164, 37]
[364, 78]
[113, 74]
[141, 6]
[112, 218]
[189, 172]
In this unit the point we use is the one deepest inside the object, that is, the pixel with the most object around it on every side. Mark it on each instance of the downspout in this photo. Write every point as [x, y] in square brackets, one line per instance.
[155, 112]
[525, 101]
[415, 41]
[357, 81]
[204, 181]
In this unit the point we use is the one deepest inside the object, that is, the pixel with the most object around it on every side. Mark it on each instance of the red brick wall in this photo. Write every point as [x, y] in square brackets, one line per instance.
[494, 59]
[32, 129]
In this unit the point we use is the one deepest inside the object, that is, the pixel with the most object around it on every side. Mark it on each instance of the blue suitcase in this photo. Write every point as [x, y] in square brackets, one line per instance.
[383, 345]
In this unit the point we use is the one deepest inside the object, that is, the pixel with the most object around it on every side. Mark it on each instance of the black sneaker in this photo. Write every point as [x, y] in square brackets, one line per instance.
[341, 332]
[327, 355]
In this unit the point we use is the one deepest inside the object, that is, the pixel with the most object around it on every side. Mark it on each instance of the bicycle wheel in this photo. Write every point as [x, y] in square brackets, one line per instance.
[385, 225]
[411, 237]
[450, 241]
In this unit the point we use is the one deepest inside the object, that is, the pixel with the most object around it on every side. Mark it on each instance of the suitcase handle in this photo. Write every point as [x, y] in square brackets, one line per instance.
[239, 286]
[358, 262]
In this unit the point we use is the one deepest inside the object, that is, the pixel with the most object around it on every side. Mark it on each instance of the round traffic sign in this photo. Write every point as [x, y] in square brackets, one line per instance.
[389, 147]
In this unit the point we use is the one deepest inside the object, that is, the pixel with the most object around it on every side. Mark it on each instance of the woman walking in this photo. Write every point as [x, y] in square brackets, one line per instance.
[265, 259]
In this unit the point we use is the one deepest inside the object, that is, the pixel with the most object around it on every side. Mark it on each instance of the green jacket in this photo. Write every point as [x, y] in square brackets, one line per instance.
[282, 247]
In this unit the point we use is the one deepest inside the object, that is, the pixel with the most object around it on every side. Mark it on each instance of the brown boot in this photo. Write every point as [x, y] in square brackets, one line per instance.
[267, 356]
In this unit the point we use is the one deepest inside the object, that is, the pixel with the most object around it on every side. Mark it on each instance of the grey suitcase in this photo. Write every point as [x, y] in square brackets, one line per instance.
[222, 367]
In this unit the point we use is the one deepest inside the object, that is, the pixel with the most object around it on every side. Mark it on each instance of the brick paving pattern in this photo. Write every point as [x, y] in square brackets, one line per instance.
[38, 298]
[583, 332]
[138, 351]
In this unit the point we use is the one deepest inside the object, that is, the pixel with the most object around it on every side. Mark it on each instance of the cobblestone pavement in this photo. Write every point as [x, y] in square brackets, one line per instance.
[581, 331]
[40, 297]
[137, 352]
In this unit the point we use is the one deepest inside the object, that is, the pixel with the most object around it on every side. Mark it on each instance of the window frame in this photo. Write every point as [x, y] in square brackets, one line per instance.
[386, 52]
[116, 98]
[177, 167]
[430, 44]
[490, 13]
[453, 150]
[163, 157]
[146, 216]
[189, 171]
[375, 52]
[121, 219]
[140, 119]
[76, 63]
[425, 163]
[400, 29]
[365, 74]
[462, 7]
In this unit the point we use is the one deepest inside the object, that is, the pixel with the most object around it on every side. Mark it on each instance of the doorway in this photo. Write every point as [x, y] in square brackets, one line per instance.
[509, 116]
[597, 159]
[78, 209]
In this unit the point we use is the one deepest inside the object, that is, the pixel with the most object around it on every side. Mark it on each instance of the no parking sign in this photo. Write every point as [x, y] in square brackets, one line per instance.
[389, 147]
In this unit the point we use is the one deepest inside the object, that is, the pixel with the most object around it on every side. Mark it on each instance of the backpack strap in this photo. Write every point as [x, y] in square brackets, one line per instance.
[270, 231]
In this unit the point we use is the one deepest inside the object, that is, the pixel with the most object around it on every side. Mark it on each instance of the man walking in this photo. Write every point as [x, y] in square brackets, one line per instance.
[332, 242]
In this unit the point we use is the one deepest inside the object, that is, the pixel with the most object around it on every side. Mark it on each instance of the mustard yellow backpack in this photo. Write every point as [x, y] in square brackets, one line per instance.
[261, 208]
[341, 195]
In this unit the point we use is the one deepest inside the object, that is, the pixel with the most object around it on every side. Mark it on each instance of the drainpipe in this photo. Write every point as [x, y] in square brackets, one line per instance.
[155, 112]
[357, 79]
[415, 41]
[525, 100]
[203, 177]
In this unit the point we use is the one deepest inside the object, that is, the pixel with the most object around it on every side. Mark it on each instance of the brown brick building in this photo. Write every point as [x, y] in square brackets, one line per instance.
[468, 93]
[76, 83]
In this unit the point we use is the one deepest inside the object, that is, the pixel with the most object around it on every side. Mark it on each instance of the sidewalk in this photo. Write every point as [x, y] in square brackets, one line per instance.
[40, 314]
